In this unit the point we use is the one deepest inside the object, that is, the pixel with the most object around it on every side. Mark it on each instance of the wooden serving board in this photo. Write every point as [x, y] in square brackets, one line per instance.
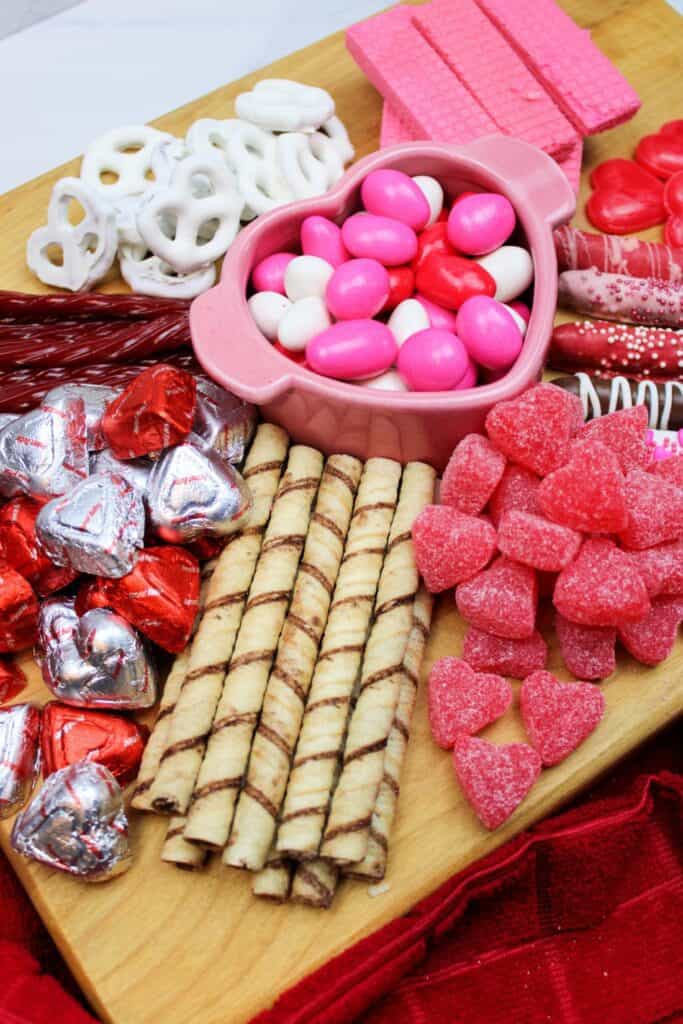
[161, 945]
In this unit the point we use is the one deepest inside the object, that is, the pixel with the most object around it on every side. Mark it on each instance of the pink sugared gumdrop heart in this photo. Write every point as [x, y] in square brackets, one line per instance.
[495, 779]
[517, 658]
[480, 223]
[624, 432]
[651, 640]
[588, 493]
[450, 547]
[536, 541]
[587, 651]
[518, 489]
[462, 700]
[432, 360]
[473, 472]
[661, 568]
[601, 587]
[557, 716]
[536, 429]
[489, 332]
[501, 600]
[669, 469]
[655, 510]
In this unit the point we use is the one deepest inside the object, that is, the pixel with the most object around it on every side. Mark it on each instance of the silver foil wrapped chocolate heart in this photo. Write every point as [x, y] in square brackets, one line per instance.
[98, 528]
[77, 824]
[44, 452]
[135, 471]
[222, 421]
[19, 755]
[193, 493]
[96, 660]
[95, 400]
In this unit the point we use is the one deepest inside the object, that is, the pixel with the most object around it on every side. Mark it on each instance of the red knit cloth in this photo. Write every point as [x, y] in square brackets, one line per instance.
[579, 921]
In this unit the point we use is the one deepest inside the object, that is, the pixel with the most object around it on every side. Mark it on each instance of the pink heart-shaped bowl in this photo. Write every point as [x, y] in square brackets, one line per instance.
[340, 417]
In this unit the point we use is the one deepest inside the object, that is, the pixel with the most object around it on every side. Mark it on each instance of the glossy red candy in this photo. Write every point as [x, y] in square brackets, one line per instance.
[401, 287]
[450, 279]
[79, 734]
[155, 411]
[432, 239]
[296, 357]
[662, 153]
[626, 198]
[673, 202]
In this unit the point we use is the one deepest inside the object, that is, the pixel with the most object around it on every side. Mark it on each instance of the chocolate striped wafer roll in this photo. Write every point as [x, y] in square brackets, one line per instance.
[259, 803]
[212, 646]
[346, 833]
[374, 863]
[227, 754]
[314, 884]
[273, 881]
[322, 732]
[176, 850]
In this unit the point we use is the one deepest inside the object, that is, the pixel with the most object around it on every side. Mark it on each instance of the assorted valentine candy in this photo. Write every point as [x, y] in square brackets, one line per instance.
[95, 398]
[535, 429]
[394, 265]
[559, 716]
[69, 735]
[19, 733]
[462, 700]
[77, 824]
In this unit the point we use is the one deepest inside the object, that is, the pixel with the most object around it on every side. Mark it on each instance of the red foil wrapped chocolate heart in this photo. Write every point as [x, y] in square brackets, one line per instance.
[12, 680]
[19, 732]
[79, 734]
[160, 597]
[626, 198]
[155, 411]
[20, 549]
[18, 612]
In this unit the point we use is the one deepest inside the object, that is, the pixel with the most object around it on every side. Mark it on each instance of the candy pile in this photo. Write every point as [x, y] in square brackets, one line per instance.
[401, 283]
[169, 207]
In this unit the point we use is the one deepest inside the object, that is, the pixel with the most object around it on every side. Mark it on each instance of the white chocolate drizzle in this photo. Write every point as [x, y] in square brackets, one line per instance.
[657, 397]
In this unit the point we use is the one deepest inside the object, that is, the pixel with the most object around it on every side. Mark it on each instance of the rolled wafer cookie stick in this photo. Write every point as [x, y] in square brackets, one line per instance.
[274, 880]
[227, 754]
[374, 863]
[346, 833]
[324, 723]
[212, 646]
[259, 803]
[176, 850]
[314, 884]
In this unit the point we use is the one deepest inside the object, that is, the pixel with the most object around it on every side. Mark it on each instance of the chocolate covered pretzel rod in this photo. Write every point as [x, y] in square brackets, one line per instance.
[322, 732]
[227, 754]
[374, 863]
[616, 254]
[314, 884]
[600, 396]
[638, 300]
[617, 348]
[213, 644]
[346, 833]
[283, 705]
[273, 881]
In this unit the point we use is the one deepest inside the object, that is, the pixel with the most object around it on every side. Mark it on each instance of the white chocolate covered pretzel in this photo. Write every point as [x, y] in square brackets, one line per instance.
[128, 155]
[309, 164]
[285, 106]
[252, 152]
[335, 129]
[149, 275]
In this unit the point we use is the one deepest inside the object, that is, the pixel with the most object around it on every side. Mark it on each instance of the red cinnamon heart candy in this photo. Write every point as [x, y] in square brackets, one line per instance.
[71, 734]
[588, 493]
[601, 587]
[160, 596]
[536, 428]
[517, 491]
[18, 612]
[501, 600]
[662, 153]
[432, 239]
[587, 651]
[624, 432]
[655, 510]
[517, 658]
[12, 680]
[495, 779]
[450, 547]
[153, 412]
[559, 716]
[401, 286]
[673, 202]
[652, 638]
[626, 198]
[462, 700]
[448, 279]
[473, 472]
[20, 548]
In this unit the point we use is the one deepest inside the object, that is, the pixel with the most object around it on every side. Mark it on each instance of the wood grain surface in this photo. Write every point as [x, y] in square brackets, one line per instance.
[161, 946]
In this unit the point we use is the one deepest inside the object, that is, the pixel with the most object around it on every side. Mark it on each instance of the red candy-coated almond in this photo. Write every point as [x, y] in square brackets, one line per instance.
[450, 547]
[501, 600]
[651, 640]
[587, 651]
[535, 429]
[537, 542]
[401, 286]
[495, 779]
[601, 587]
[661, 568]
[588, 493]
[432, 239]
[517, 658]
[473, 472]
[71, 734]
[559, 716]
[624, 432]
[155, 411]
[518, 489]
[462, 700]
[450, 279]
[655, 510]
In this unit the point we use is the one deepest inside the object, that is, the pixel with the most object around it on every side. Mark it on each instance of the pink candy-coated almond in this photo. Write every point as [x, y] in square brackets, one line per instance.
[390, 193]
[357, 289]
[495, 779]
[269, 274]
[462, 700]
[322, 237]
[443, 319]
[488, 332]
[469, 378]
[480, 223]
[557, 716]
[379, 238]
[352, 350]
[432, 360]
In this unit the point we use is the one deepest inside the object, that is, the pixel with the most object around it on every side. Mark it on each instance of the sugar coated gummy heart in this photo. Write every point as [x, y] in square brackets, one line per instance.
[588, 493]
[601, 587]
[473, 472]
[669, 469]
[517, 658]
[655, 510]
[587, 651]
[661, 568]
[537, 542]
[535, 429]
[518, 489]
[462, 700]
[450, 547]
[651, 640]
[495, 779]
[624, 432]
[559, 716]
[501, 600]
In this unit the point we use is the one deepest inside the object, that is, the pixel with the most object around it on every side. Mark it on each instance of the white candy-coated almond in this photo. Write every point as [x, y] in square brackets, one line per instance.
[390, 380]
[268, 309]
[306, 276]
[302, 321]
[519, 320]
[433, 193]
[512, 268]
[408, 318]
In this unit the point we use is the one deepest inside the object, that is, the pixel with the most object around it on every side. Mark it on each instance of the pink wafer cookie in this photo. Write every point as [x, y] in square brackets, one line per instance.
[488, 66]
[402, 65]
[583, 82]
[394, 128]
[571, 164]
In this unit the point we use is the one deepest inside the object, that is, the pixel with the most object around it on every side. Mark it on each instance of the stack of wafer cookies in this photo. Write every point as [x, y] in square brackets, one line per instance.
[283, 726]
